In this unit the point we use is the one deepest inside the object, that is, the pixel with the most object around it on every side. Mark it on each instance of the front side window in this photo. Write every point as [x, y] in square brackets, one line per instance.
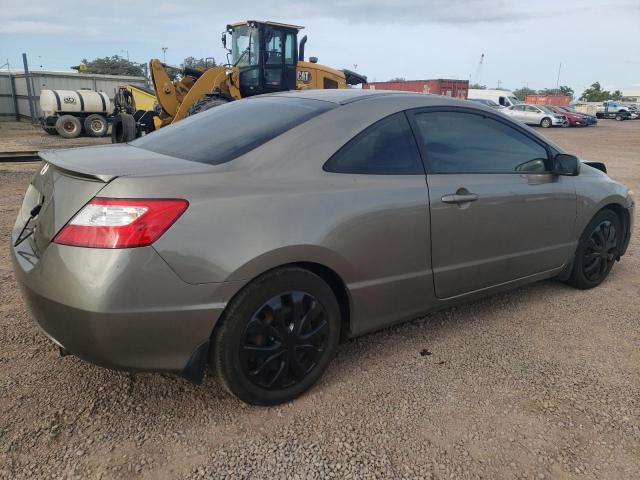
[245, 48]
[460, 142]
[225, 132]
[385, 148]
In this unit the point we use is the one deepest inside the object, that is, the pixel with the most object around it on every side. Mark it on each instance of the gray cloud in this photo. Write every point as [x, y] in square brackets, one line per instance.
[29, 16]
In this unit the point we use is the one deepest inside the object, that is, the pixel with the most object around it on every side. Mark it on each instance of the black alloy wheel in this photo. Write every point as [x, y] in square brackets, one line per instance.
[597, 251]
[600, 254]
[284, 340]
[277, 336]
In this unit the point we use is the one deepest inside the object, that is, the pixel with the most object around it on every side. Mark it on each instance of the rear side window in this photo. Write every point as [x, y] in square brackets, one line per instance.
[225, 132]
[457, 142]
[385, 148]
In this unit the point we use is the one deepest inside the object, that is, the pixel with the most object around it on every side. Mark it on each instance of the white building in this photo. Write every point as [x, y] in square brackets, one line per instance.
[632, 93]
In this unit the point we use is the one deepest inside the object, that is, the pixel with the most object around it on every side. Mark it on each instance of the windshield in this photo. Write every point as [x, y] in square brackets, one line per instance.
[245, 48]
[545, 109]
[227, 131]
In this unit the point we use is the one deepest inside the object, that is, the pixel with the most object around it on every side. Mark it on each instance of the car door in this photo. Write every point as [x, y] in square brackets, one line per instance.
[518, 113]
[497, 213]
[533, 115]
[380, 201]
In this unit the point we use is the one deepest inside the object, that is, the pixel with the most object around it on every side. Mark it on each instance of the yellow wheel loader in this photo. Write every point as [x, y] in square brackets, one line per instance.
[265, 57]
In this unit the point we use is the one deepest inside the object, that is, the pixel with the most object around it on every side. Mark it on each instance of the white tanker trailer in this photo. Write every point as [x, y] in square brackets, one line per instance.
[69, 112]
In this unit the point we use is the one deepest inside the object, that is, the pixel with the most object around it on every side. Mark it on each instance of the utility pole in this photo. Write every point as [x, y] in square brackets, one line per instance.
[558, 79]
[476, 80]
[27, 78]
[164, 54]
[127, 52]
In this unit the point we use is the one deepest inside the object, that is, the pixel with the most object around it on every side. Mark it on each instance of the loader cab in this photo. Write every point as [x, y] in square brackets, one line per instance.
[266, 54]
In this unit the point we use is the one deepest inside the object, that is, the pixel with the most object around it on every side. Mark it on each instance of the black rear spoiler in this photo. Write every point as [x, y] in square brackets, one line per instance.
[354, 78]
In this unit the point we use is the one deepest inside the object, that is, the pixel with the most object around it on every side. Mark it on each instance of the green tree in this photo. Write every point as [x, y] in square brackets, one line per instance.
[477, 86]
[193, 62]
[565, 90]
[617, 95]
[114, 65]
[522, 92]
[397, 79]
[595, 94]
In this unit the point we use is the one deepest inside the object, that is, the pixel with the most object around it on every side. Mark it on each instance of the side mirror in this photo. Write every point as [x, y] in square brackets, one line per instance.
[565, 164]
[224, 40]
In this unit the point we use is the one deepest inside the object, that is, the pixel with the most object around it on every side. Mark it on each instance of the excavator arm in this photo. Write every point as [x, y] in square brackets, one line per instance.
[177, 97]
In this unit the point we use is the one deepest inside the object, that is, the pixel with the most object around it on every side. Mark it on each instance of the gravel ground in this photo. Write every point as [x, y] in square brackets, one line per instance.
[540, 382]
[23, 136]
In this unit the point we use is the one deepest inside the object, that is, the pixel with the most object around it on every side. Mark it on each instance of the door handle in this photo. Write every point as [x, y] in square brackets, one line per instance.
[459, 198]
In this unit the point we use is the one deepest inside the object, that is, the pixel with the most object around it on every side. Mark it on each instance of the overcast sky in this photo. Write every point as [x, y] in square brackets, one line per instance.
[523, 42]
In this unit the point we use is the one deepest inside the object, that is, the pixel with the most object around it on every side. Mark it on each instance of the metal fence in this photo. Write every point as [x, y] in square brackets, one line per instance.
[14, 94]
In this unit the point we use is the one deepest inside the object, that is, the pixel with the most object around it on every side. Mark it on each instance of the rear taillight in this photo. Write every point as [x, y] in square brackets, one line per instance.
[121, 223]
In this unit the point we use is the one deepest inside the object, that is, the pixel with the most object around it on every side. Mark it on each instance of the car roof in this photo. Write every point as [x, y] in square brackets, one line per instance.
[350, 95]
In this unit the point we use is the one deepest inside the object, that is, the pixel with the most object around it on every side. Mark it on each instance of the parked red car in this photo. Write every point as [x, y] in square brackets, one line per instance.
[575, 119]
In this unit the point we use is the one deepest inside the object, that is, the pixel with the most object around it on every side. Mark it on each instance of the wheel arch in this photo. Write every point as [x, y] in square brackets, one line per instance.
[328, 274]
[625, 220]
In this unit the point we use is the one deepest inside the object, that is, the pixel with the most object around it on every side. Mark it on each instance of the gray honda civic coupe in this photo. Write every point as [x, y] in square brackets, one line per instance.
[255, 236]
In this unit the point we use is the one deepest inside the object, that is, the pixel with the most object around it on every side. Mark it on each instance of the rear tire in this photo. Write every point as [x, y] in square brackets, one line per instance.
[95, 125]
[68, 126]
[546, 122]
[597, 250]
[124, 128]
[619, 117]
[276, 337]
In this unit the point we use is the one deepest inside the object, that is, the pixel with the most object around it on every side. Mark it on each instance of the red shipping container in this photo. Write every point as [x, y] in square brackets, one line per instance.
[556, 100]
[440, 86]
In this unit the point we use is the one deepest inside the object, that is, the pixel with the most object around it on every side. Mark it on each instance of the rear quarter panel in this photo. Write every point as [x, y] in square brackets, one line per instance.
[276, 206]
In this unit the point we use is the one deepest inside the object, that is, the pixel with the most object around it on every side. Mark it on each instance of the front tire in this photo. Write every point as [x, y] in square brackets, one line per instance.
[68, 126]
[124, 128]
[597, 251]
[206, 104]
[277, 337]
[546, 123]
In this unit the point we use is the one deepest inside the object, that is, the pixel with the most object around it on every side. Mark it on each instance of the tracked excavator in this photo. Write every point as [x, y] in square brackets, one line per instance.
[264, 57]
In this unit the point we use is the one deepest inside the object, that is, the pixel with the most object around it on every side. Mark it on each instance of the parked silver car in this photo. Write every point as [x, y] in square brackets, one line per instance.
[536, 115]
[257, 234]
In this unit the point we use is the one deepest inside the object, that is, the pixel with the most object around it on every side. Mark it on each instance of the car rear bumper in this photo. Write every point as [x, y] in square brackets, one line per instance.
[123, 309]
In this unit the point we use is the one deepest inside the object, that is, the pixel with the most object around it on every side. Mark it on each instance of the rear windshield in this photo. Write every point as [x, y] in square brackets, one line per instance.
[225, 132]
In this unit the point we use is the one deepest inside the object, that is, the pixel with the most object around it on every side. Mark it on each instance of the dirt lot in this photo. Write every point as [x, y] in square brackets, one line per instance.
[541, 382]
[23, 136]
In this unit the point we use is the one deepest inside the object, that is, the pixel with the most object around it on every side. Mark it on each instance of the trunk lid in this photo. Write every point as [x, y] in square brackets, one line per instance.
[106, 162]
[58, 194]
[68, 179]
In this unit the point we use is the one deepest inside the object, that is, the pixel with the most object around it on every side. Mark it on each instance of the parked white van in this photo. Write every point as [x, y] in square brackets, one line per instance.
[505, 98]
